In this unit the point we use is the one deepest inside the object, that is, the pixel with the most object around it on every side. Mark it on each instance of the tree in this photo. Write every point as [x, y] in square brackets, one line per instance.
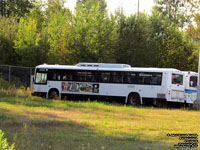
[8, 31]
[102, 4]
[93, 33]
[194, 31]
[30, 42]
[174, 49]
[177, 11]
[134, 45]
[15, 7]
[58, 32]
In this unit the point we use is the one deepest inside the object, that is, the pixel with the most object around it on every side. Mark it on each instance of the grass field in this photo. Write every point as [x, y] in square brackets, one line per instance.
[33, 123]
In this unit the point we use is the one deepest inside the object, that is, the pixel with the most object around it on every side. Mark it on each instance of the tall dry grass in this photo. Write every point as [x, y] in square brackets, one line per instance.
[13, 89]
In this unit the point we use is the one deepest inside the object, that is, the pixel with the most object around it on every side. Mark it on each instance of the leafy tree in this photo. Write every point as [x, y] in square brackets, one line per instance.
[102, 4]
[15, 7]
[134, 45]
[30, 42]
[194, 31]
[58, 32]
[175, 10]
[8, 30]
[93, 33]
[172, 45]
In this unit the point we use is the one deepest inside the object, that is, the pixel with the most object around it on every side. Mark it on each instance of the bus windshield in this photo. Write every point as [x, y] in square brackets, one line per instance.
[193, 81]
[177, 79]
[41, 77]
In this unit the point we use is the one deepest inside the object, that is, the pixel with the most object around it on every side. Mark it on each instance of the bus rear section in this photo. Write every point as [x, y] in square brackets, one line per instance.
[176, 87]
[164, 85]
[190, 86]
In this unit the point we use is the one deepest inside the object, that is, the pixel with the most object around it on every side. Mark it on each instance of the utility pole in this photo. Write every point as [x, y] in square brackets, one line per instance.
[138, 8]
[198, 89]
[197, 102]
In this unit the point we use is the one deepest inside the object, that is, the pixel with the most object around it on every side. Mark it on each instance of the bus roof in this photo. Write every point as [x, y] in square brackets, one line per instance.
[190, 73]
[107, 67]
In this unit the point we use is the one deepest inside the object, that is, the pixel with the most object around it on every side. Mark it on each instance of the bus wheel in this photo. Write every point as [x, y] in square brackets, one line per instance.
[53, 94]
[134, 99]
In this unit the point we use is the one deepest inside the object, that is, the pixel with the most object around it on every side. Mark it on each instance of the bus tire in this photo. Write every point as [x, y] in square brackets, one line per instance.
[53, 94]
[134, 99]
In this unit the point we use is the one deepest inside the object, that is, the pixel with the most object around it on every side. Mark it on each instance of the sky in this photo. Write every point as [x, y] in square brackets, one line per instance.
[129, 6]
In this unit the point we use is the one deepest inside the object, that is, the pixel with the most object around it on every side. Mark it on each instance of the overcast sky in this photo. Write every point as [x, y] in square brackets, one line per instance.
[129, 6]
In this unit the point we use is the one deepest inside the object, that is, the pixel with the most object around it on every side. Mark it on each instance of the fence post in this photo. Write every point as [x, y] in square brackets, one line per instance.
[9, 71]
[30, 78]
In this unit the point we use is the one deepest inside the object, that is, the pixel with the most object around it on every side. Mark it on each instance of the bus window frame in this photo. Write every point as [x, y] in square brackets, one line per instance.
[173, 77]
[190, 81]
[42, 72]
[127, 77]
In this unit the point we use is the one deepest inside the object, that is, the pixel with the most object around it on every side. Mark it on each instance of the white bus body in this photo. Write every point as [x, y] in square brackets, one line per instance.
[190, 86]
[110, 80]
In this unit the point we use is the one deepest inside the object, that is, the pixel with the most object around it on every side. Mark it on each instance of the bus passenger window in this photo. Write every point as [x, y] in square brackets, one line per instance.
[105, 77]
[64, 77]
[69, 76]
[58, 77]
[54, 76]
[85, 76]
[147, 81]
[117, 77]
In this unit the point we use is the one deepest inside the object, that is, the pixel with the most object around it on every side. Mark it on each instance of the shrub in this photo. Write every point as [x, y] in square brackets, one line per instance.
[4, 84]
[4, 144]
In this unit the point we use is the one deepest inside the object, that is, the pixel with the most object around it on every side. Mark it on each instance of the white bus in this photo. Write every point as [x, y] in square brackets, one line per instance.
[190, 86]
[134, 85]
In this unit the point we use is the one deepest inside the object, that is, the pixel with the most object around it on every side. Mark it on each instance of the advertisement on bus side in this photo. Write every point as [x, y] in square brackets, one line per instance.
[80, 87]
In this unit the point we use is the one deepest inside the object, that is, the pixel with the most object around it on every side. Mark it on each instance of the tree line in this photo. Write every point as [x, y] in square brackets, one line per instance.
[32, 33]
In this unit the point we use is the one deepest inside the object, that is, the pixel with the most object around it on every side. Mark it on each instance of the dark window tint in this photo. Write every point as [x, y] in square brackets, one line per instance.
[193, 81]
[148, 78]
[117, 77]
[130, 77]
[86, 76]
[67, 75]
[60, 75]
[104, 77]
[177, 79]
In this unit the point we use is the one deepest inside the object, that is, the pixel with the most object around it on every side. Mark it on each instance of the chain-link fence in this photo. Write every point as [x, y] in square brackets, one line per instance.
[17, 74]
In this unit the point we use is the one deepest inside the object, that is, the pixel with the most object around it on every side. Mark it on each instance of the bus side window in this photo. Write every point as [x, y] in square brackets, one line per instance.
[117, 77]
[69, 76]
[130, 78]
[64, 77]
[54, 77]
[86, 76]
[156, 78]
[58, 77]
[105, 77]
[127, 78]
[147, 80]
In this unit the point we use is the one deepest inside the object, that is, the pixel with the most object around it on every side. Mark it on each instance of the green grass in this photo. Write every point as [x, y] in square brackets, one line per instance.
[33, 123]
